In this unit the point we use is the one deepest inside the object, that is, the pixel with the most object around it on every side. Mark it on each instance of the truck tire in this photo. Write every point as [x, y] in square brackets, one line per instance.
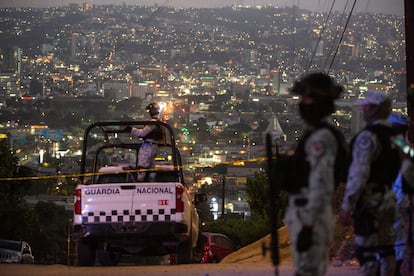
[107, 257]
[198, 251]
[86, 253]
[185, 251]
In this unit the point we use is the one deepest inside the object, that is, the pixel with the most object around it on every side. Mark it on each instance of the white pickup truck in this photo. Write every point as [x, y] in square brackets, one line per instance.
[114, 214]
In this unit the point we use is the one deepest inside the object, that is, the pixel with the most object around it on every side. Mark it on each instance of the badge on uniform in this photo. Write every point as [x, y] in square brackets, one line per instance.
[364, 142]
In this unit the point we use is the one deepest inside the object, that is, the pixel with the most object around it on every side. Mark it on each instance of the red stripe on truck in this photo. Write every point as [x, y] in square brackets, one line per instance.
[179, 203]
[78, 202]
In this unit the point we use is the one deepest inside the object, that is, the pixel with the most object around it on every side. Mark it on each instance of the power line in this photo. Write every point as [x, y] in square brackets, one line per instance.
[3, 180]
[342, 35]
[124, 41]
[320, 36]
[332, 46]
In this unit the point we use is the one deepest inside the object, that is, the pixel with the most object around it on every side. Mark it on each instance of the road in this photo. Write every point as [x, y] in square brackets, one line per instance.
[252, 269]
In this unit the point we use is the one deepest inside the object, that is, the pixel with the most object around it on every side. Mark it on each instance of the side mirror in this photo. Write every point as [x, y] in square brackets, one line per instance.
[198, 198]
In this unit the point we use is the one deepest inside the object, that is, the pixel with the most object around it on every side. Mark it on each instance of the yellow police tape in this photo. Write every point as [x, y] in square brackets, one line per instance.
[234, 162]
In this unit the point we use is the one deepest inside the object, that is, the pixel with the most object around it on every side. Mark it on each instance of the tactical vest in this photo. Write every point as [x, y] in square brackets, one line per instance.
[300, 167]
[155, 134]
[386, 165]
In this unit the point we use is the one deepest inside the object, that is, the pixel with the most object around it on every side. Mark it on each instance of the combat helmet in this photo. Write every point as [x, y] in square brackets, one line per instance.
[153, 109]
[317, 85]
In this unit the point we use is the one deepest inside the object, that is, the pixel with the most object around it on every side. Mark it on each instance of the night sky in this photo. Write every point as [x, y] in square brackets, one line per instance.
[378, 6]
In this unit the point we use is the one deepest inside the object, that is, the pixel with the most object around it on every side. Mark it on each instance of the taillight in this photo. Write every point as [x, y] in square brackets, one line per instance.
[179, 203]
[78, 203]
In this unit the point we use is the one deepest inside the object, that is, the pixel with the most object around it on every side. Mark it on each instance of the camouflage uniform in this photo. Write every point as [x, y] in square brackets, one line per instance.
[313, 205]
[311, 177]
[381, 207]
[147, 152]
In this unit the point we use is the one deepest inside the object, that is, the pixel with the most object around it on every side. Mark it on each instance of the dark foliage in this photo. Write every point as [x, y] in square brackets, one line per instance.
[44, 227]
[241, 232]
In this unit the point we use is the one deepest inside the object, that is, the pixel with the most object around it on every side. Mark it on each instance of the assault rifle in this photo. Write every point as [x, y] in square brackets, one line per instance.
[274, 191]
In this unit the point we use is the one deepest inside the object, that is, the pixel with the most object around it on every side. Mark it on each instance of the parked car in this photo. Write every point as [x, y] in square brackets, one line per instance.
[215, 247]
[15, 252]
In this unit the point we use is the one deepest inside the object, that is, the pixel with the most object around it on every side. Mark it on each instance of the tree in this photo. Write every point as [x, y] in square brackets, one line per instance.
[258, 199]
[15, 215]
[49, 243]
[9, 161]
[256, 194]
[241, 232]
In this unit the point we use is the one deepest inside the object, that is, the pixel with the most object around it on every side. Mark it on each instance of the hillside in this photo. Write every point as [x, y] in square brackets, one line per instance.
[341, 250]
[252, 253]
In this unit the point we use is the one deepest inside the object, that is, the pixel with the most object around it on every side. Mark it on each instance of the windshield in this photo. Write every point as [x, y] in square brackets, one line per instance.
[11, 245]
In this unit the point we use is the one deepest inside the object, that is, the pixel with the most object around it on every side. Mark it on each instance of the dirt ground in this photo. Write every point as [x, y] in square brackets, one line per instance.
[247, 261]
[253, 253]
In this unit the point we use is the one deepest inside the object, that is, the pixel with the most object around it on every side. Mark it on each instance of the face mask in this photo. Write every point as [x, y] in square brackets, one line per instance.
[308, 112]
[315, 111]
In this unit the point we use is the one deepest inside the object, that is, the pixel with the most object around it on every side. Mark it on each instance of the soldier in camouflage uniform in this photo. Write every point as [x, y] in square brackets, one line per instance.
[148, 150]
[309, 214]
[369, 197]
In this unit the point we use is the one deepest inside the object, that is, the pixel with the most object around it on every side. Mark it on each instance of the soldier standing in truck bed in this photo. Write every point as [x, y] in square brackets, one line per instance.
[148, 150]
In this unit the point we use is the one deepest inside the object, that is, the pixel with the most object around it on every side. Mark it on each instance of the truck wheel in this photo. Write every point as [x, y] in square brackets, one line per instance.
[185, 251]
[86, 253]
[108, 257]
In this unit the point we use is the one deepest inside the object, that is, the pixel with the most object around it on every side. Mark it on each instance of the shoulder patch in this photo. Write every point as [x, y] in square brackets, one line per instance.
[364, 141]
[320, 142]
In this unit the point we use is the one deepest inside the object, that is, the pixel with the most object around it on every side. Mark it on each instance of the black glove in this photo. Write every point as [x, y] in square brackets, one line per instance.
[128, 129]
[304, 239]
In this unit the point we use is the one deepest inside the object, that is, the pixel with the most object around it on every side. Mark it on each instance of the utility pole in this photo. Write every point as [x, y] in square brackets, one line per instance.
[68, 241]
[223, 195]
[409, 45]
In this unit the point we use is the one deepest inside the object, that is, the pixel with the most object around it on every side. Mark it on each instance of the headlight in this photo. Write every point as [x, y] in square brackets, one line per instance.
[15, 258]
